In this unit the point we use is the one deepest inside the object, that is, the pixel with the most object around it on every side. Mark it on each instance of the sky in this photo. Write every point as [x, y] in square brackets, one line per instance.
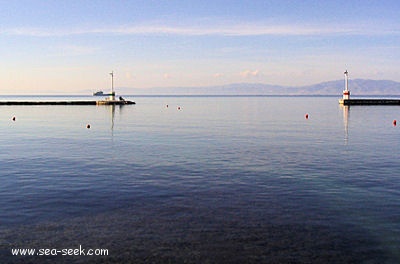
[70, 47]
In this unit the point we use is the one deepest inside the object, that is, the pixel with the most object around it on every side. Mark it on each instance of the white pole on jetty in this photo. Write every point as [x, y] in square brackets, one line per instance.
[346, 92]
[112, 95]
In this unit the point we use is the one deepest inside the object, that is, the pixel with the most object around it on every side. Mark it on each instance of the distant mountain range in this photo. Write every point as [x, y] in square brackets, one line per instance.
[357, 87]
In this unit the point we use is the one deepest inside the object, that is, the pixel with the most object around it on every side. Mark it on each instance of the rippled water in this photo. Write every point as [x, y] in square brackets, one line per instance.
[206, 179]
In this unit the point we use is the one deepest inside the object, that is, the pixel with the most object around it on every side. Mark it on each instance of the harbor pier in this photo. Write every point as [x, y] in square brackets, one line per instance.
[100, 102]
[369, 101]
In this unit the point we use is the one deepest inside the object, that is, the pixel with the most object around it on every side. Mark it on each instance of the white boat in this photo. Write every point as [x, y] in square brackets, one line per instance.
[99, 93]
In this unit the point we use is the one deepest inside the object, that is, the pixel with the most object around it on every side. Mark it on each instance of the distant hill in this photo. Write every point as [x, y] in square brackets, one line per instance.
[356, 86]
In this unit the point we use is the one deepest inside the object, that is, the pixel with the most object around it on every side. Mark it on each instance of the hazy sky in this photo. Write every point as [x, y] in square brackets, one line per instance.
[71, 46]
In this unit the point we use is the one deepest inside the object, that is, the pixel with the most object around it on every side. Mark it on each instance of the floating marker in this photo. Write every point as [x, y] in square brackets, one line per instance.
[13, 119]
[306, 116]
[179, 108]
[394, 122]
[88, 126]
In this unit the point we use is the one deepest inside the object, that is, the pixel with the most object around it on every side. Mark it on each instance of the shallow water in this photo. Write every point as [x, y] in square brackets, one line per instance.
[206, 179]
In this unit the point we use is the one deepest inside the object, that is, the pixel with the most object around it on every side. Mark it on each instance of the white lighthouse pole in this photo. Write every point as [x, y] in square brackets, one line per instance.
[346, 92]
[112, 96]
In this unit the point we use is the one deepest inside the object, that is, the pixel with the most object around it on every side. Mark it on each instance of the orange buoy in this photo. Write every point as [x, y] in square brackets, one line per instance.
[306, 116]
[394, 122]
[88, 126]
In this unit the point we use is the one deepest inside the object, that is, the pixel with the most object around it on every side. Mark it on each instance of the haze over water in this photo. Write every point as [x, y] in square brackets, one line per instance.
[206, 179]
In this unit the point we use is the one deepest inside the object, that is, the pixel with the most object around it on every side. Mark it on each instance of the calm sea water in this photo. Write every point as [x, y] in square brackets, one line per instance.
[204, 180]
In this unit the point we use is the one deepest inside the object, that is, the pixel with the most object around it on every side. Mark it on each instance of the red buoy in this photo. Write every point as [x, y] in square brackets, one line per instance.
[306, 116]
[394, 122]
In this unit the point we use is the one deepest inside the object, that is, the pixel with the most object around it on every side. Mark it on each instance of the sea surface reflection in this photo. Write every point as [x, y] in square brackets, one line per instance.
[202, 179]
